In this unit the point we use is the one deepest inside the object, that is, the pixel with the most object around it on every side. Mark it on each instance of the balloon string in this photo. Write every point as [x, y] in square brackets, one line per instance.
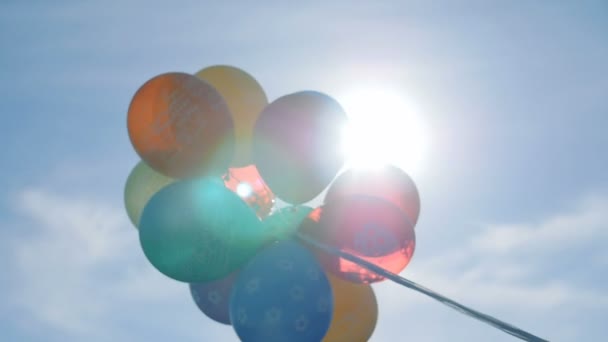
[496, 323]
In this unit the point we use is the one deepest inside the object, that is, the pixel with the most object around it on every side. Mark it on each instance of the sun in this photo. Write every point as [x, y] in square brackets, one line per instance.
[383, 128]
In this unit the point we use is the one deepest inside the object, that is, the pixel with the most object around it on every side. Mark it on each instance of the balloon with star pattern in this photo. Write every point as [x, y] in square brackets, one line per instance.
[282, 295]
[212, 297]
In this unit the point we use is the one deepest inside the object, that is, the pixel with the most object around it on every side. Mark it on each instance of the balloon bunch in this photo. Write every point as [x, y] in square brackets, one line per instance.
[214, 154]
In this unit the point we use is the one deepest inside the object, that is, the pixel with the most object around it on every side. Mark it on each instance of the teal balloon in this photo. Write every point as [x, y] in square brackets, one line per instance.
[198, 230]
[283, 223]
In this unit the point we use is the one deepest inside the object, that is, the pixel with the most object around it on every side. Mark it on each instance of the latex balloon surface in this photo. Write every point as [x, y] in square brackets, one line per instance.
[246, 100]
[282, 295]
[389, 183]
[367, 227]
[143, 182]
[198, 230]
[355, 312]
[212, 298]
[249, 185]
[297, 144]
[181, 126]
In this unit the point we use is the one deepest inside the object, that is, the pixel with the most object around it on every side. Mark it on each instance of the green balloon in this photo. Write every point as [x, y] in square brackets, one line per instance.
[143, 182]
[282, 224]
[198, 230]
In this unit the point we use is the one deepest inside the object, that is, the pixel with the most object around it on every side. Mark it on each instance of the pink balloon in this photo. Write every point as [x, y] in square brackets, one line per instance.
[389, 183]
[296, 144]
[370, 228]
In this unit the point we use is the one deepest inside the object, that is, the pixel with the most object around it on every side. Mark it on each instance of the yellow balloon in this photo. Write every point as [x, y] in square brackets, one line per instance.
[246, 100]
[355, 312]
[142, 183]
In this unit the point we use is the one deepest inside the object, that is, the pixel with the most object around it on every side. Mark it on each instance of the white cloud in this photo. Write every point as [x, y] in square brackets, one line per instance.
[588, 222]
[509, 269]
[80, 267]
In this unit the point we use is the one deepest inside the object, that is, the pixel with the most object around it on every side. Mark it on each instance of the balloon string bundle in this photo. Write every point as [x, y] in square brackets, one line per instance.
[496, 323]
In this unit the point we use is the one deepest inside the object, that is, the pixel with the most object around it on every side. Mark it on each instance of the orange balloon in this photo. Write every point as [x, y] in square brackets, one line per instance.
[249, 185]
[355, 312]
[181, 126]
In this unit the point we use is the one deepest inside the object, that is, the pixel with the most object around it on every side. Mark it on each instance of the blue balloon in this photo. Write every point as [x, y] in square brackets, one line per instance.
[283, 294]
[212, 297]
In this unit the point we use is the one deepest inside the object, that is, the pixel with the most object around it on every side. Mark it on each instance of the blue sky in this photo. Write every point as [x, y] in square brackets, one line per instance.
[514, 190]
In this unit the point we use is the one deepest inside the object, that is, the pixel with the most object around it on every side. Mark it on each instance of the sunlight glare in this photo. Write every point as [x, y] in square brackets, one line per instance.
[244, 190]
[384, 128]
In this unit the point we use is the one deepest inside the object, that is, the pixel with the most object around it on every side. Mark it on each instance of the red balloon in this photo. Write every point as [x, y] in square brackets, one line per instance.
[389, 183]
[370, 228]
[296, 144]
[249, 185]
